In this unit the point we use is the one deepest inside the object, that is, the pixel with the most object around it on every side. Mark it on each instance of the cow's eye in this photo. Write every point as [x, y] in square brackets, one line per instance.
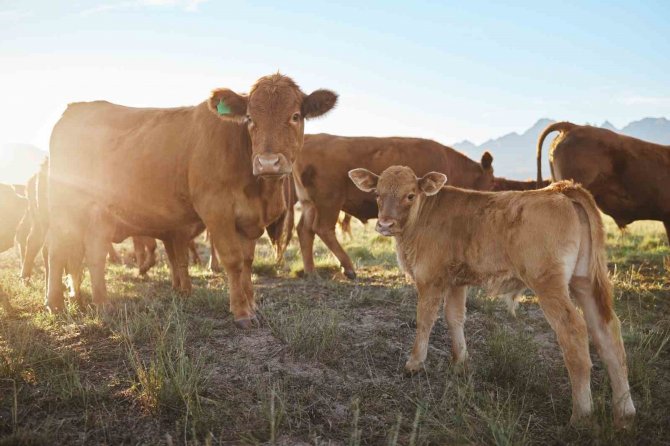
[248, 120]
[410, 197]
[295, 117]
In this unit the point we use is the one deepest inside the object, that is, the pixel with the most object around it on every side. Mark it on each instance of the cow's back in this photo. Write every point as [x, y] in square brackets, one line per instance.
[628, 177]
[325, 161]
[132, 161]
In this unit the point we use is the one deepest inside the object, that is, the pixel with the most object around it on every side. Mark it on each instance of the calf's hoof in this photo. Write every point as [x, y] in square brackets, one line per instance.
[625, 421]
[413, 367]
[247, 323]
[350, 274]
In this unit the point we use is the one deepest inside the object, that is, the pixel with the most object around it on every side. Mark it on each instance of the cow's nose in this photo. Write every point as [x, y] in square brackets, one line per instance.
[268, 161]
[271, 164]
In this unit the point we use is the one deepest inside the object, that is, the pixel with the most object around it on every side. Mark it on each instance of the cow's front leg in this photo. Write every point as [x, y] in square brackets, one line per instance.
[230, 247]
[427, 308]
[249, 248]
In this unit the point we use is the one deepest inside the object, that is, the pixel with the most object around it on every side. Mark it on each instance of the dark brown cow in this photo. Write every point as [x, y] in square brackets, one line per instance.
[628, 177]
[502, 184]
[550, 240]
[118, 171]
[324, 189]
[12, 208]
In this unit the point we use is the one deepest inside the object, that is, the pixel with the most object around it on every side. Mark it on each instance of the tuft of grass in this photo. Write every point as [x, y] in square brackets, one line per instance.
[313, 333]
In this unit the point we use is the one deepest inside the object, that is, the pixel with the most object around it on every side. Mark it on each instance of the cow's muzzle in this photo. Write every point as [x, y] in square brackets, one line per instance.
[271, 164]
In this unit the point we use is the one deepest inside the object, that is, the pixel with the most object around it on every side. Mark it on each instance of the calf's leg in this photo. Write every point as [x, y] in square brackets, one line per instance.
[427, 308]
[570, 329]
[454, 317]
[606, 336]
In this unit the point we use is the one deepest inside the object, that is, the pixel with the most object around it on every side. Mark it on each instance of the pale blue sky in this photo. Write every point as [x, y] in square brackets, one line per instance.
[442, 70]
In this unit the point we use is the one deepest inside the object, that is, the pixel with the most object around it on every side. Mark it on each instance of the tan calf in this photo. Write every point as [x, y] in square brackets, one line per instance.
[550, 240]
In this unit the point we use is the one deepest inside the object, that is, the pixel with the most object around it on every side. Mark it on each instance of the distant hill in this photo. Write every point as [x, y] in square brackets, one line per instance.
[514, 154]
[18, 162]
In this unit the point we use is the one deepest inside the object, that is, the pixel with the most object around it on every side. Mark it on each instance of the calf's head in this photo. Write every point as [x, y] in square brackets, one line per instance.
[274, 112]
[399, 194]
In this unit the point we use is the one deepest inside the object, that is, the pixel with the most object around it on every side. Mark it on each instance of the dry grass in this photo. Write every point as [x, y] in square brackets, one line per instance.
[326, 365]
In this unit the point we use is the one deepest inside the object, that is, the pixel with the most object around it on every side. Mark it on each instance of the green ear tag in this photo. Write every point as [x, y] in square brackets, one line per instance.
[222, 108]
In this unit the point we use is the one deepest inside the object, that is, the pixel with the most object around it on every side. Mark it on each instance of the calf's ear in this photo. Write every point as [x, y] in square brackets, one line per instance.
[318, 103]
[432, 182]
[364, 179]
[227, 104]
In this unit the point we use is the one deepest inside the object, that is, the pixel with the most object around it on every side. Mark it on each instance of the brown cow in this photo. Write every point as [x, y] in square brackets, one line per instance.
[118, 171]
[12, 208]
[629, 178]
[551, 240]
[324, 189]
[502, 184]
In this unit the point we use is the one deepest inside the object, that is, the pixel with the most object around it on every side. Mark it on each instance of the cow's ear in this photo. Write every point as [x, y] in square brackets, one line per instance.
[318, 103]
[364, 179]
[487, 161]
[432, 182]
[227, 104]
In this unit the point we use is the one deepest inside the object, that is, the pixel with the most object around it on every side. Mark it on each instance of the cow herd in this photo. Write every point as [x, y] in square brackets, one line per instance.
[237, 164]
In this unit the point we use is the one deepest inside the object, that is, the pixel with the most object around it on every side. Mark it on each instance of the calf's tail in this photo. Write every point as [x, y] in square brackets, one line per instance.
[601, 285]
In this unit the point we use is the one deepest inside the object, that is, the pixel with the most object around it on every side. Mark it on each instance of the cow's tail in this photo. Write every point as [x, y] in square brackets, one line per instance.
[557, 126]
[601, 285]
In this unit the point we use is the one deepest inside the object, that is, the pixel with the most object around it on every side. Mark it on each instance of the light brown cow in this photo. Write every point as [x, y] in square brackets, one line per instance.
[629, 178]
[12, 208]
[324, 189]
[551, 240]
[117, 171]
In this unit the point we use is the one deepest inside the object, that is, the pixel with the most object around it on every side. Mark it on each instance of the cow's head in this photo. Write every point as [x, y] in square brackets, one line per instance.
[274, 112]
[399, 194]
[486, 179]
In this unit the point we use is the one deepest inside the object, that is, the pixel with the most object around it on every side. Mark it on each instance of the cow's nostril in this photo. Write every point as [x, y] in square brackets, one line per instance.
[268, 160]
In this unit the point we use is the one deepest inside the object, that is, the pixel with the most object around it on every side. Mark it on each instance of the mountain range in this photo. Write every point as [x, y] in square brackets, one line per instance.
[514, 153]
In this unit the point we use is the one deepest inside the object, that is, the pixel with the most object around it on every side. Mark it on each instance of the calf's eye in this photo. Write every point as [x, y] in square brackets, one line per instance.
[295, 117]
[410, 197]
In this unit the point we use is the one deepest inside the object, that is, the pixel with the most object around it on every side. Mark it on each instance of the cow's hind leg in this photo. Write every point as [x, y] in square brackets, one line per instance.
[454, 317]
[428, 305]
[570, 329]
[57, 257]
[193, 248]
[324, 226]
[605, 331]
[98, 241]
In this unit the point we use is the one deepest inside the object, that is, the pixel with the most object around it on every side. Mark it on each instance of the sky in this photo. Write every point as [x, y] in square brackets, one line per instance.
[442, 70]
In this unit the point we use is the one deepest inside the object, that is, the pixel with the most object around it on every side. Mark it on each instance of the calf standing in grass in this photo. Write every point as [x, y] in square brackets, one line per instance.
[550, 240]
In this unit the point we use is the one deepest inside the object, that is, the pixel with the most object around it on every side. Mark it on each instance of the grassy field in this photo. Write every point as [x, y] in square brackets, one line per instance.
[326, 366]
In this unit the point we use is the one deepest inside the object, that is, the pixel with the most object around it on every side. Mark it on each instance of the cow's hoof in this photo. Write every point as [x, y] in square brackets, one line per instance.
[413, 367]
[583, 421]
[55, 309]
[247, 323]
[350, 274]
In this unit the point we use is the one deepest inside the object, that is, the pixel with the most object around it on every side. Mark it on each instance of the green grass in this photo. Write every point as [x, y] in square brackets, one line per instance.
[326, 365]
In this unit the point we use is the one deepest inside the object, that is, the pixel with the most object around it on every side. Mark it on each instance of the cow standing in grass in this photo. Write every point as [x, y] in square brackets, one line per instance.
[551, 240]
[12, 208]
[118, 171]
[629, 178]
[323, 188]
